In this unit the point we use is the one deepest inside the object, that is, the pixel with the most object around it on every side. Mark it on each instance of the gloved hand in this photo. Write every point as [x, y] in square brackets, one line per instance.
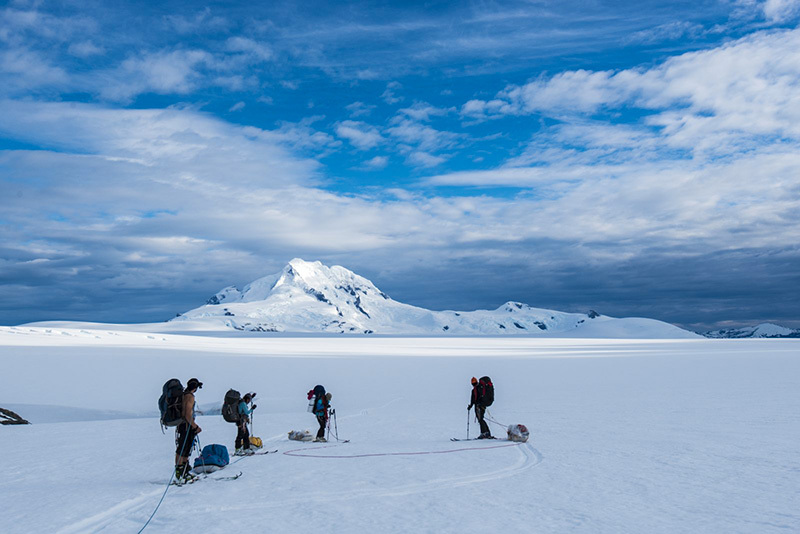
[254, 407]
[469, 407]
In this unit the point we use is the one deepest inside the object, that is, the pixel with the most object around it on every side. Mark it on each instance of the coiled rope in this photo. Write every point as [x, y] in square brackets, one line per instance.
[294, 452]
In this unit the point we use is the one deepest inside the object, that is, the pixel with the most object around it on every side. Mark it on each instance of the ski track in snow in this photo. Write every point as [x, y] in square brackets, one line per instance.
[528, 458]
[98, 522]
[130, 511]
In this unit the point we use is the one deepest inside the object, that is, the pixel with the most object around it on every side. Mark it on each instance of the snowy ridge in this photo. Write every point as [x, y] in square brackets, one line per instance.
[311, 297]
[760, 331]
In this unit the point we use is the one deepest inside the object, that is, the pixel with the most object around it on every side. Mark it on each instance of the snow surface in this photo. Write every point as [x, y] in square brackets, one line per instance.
[311, 297]
[693, 435]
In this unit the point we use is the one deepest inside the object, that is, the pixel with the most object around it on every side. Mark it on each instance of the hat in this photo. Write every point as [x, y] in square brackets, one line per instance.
[194, 383]
[328, 396]
[474, 380]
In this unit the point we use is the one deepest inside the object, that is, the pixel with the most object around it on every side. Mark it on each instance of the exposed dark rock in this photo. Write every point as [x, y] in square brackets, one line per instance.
[520, 326]
[7, 417]
[502, 326]
[359, 308]
[541, 325]
[318, 294]
[593, 314]
[445, 328]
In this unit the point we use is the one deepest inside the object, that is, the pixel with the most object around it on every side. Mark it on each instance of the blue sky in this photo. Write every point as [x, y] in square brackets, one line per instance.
[638, 158]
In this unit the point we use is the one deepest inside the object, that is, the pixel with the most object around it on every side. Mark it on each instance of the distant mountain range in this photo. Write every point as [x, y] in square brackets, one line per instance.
[311, 297]
[760, 331]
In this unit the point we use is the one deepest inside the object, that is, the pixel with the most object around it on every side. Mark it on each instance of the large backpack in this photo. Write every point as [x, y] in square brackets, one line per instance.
[230, 406]
[314, 395]
[485, 391]
[213, 458]
[171, 403]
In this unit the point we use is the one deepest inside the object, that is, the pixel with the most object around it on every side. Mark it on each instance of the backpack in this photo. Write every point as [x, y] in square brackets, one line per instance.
[230, 406]
[485, 391]
[313, 395]
[213, 458]
[170, 403]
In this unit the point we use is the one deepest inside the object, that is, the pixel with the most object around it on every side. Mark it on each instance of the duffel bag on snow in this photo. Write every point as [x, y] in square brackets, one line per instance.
[300, 435]
[213, 458]
[518, 433]
[256, 442]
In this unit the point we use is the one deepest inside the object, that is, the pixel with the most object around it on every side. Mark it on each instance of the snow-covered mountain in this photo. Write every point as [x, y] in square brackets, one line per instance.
[762, 330]
[311, 297]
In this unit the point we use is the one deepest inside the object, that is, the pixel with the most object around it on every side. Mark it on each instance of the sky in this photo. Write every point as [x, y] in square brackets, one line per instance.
[635, 158]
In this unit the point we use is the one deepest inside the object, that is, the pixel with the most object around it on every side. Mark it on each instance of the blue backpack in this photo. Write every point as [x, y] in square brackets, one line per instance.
[213, 458]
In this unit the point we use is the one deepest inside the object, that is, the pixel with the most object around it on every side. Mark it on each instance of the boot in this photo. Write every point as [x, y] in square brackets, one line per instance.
[179, 474]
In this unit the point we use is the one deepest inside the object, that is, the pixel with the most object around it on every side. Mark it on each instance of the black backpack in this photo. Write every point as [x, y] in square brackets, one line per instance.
[485, 391]
[313, 396]
[171, 403]
[230, 406]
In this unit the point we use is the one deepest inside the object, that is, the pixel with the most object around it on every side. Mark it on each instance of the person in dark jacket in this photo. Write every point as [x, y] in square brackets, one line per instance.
[321, 405]
[243, 435]
[476, 399]
[186, 432]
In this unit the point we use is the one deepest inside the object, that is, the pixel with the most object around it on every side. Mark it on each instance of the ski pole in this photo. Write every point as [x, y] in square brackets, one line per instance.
[335, 425]
[328, 425]
[467, 423]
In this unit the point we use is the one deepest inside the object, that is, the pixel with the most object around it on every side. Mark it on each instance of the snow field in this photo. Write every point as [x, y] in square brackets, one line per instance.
[633, 436]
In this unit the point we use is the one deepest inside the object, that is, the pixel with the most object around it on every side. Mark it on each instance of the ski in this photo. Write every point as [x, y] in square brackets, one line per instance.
[229, 477]
[257, 453]
[472, 439]
[199, 478]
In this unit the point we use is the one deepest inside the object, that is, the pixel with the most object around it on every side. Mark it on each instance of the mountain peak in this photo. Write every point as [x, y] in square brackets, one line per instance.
[308, 296]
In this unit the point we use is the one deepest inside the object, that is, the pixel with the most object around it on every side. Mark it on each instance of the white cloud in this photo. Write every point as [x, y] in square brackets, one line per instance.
[422, 111]
[237, 106]
[259, 51]
[360, 134]
[425, 137]
[667, 31]
[85, 49]
[389, 95]
[359, 109]
[781, 10]
[302, 136]
[710, 101]
[376, 163]
[160, 72]
[424, 159]
[202, 21]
